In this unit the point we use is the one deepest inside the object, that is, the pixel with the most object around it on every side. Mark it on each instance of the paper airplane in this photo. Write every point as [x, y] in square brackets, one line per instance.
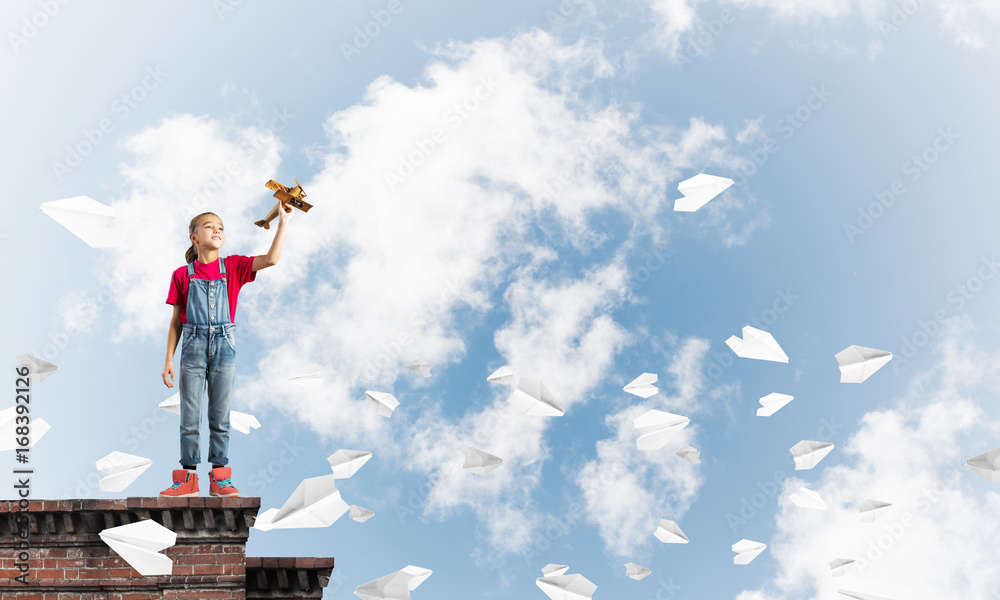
[839, 566]
[394, 586]
[420, 367]
[243, 422]
[567, 587]
[986, 465]
[480, 462]
[746, 551]
[635, 571]
[172, 404]
[315, 503]
[699, 190]
[858, 363]
[757, 344]
[551, 570]
[642, 385]
[656, 428]
[807, 498]
[808, 453]
[669, 532]
[531, 397]
[85, 218]
[689, 454]
[310, 376]
[860, 596]
[347, 462]
[360, 513]
[772, 403]
[8, 429]
[121, 470]
[502, 375]
[38, 369]
[871, 510]
[384, 402]
[139, 545]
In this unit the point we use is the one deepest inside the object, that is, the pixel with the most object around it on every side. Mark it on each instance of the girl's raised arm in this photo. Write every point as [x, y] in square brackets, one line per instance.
[271, 258]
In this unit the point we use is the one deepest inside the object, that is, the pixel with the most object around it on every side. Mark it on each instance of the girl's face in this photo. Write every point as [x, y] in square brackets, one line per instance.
[208, 233]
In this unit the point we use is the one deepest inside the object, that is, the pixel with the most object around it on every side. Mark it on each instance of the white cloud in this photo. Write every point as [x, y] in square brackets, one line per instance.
[627, 491]
[939, 537]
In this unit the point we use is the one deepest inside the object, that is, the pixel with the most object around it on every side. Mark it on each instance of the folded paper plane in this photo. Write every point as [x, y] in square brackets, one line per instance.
[656, 428]
[699, 190]
[567, 587]
[480, 462]
[531, 397]
[139, 544]
[85, 218]
[383, 402]
[243, 422]
[310, 376]
[347, 462]
[420, 367]
[986, 465]
[689, 454]
[669, 532]
[839, 566]
[8, 429]
[394, 586]
[807, 498]
[121, 470]
[808, 453]
[172, 404]
[757, 344]
[635, 571]
[315, 503]
[551, 570]
[870, 510]
[360, 513]
[772, 403]
[38, 369]
[502, 375]
[858, 363]
[860, 596]
[642, 385]
[746, 551]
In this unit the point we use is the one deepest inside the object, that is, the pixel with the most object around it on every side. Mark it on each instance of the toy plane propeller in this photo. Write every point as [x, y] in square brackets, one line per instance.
[284, 193]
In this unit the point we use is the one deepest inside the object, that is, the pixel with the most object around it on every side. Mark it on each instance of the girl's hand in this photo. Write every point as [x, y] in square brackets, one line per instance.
[168, 370]
[285, 214]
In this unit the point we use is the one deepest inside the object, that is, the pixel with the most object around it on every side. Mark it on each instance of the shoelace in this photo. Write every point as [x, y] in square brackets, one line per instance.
[224, 483]
[177, 484]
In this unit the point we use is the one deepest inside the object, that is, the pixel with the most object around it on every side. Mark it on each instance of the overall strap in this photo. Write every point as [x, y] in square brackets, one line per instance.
[222, 266]
[190, 269]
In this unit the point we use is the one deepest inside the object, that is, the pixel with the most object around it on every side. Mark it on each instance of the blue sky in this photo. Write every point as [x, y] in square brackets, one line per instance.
[511, 244]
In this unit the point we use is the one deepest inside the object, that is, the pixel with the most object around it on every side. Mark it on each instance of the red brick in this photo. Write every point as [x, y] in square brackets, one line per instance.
[172, 502]
[303, 562]
[208, 570]
[122, 572]
[232, 502]
[47, 574]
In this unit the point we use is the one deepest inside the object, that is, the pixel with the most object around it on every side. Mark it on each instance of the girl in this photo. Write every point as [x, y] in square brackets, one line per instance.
[204, 296]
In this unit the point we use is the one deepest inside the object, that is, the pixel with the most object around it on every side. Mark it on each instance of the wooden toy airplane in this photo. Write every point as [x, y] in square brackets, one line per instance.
[284, 193]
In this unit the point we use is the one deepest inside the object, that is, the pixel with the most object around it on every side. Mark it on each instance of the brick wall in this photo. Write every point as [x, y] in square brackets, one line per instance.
[67, 559]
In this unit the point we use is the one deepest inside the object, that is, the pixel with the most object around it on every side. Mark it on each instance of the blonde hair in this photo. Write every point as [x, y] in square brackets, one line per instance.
[192, 252]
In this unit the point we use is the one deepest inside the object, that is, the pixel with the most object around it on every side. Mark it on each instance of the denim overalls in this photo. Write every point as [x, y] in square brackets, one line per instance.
[208, 355]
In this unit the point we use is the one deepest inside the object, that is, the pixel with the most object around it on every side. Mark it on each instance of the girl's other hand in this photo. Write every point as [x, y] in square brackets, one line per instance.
[168, 370]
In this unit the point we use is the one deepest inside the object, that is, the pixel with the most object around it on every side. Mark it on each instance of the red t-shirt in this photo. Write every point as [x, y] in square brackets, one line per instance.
[239, 271]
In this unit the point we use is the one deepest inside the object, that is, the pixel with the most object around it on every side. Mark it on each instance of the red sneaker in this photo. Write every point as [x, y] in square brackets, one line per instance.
[185, 485]
[220, 484]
